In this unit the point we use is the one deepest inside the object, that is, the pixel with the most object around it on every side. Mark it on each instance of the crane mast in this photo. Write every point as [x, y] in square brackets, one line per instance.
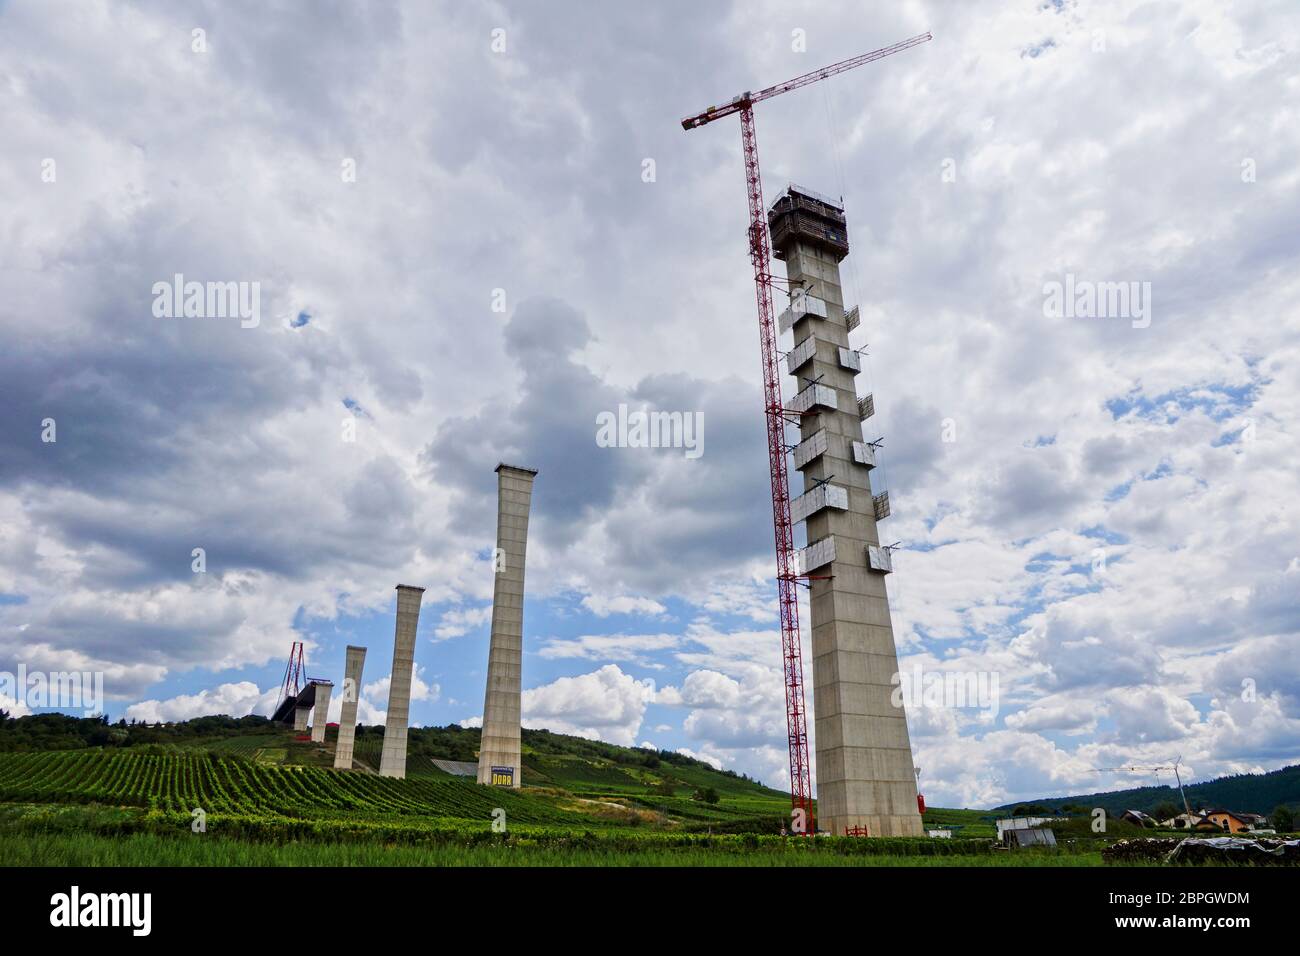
[760, 254]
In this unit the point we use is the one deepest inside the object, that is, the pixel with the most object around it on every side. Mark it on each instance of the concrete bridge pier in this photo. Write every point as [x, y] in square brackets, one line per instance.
[392, 762]
[322, 711]
[356, 660]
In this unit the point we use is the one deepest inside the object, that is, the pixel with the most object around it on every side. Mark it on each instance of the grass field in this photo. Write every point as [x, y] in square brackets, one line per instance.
[269, 798]
[91, 835]
[152, 850]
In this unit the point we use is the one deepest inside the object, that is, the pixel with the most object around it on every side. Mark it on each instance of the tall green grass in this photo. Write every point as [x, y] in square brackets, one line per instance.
[146, 849]
[78, 835]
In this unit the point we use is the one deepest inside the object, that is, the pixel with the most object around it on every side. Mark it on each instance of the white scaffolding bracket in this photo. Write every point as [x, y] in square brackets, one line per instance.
[800, 355]
[801, 304]
[811, 448]
[824, 495]
[881, 559]
[813, 396]
[818, 554]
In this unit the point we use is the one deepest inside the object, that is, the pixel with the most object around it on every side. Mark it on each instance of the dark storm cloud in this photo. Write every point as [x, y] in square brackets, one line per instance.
[708, 511]
[551, 427]
[913, 447]
[1031, 489]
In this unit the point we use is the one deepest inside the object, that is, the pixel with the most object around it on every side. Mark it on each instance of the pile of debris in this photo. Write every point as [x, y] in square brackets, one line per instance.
[1195, 850]
[1142, 850]
[1237, 850]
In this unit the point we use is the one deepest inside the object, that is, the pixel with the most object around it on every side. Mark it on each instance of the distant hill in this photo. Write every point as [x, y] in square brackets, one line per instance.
[1248, 793]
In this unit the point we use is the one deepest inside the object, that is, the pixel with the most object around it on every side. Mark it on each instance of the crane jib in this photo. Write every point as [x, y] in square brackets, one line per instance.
[748, 99]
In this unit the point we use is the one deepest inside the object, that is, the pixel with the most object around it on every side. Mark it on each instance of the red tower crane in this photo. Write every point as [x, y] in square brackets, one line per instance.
[294, 674]
[760, 254]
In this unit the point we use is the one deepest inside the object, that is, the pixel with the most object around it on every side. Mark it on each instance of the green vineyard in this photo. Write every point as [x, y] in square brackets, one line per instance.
[268, 796]
[178, 783]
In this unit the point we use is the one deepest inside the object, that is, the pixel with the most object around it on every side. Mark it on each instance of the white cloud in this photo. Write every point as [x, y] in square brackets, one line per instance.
[604, 605]
[459, 621]
[1145, 714]
[367, 711]
[609, 647]
[1070, 716]
[14, 707]
[420, 689]
[234, 700]
[735, 705]
[605, 704]
[713, 760]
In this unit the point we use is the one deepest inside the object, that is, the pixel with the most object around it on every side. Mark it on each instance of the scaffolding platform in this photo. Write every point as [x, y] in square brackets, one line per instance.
[800, 215]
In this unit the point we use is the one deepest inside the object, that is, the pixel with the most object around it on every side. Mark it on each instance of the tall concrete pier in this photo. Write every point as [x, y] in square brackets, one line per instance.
[320, 715]
[352, 666]
[392, 762]
[865, 778]
[499, 751]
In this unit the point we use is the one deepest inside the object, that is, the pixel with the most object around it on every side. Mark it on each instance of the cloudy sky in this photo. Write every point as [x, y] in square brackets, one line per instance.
[475, 227]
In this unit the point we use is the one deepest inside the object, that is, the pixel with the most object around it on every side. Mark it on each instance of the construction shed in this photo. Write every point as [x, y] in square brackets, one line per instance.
[1028, 836]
